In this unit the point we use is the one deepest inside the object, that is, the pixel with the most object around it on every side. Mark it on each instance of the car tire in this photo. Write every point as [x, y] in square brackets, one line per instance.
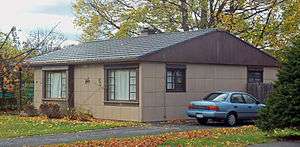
[231, 120]
[202, 121]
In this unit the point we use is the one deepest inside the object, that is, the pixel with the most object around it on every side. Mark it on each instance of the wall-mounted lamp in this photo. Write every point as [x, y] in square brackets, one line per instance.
[87, 80]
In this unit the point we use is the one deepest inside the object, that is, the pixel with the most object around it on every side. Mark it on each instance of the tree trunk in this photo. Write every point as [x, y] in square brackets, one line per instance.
[184, 15]
[211, 13]
[204, 11]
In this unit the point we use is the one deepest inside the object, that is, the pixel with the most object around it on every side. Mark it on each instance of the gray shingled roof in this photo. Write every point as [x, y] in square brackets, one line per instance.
[116, 50]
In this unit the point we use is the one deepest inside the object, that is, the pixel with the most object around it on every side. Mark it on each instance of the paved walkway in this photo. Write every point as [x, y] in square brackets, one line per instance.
[100, 134]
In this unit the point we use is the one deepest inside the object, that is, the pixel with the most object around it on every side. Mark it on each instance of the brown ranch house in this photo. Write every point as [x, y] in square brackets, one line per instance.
[151, 77]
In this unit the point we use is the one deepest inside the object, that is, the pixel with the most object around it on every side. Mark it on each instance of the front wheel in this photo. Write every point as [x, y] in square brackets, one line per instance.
[231, 120]
[202, 121]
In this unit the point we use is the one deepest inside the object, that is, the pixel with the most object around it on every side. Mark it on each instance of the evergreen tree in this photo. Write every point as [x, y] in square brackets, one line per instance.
[283, 106]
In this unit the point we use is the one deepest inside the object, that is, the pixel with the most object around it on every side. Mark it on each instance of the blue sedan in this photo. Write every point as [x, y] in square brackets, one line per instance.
[229, 106]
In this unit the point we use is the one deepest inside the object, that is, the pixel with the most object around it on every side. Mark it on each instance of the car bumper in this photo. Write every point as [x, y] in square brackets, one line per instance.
[206, 114]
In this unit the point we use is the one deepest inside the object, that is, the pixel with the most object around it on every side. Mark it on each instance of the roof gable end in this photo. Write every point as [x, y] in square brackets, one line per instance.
[217, 47]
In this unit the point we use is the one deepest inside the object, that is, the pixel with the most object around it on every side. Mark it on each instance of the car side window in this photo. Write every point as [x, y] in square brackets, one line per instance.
[237, 98]
[249, 99]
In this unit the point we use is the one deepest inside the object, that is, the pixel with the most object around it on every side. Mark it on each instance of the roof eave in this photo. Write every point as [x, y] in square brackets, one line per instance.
[78, 62]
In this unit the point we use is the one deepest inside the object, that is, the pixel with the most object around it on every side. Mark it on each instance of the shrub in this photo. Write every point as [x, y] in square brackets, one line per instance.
[78, 114]
[29, 110]
[51, 110]
[283, 106]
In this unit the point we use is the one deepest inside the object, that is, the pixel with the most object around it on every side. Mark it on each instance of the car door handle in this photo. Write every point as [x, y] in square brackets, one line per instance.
[249, 107]
[235, 106]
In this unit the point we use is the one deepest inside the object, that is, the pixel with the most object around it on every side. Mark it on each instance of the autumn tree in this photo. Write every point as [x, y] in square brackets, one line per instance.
[266, 24]
[12, 58]
[8, 66]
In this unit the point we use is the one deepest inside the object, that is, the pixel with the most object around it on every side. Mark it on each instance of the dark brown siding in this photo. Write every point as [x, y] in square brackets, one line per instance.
[71, 87]
[213, 48]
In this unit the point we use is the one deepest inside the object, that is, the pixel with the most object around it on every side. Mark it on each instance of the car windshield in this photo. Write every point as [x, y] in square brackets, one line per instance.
[217, 97]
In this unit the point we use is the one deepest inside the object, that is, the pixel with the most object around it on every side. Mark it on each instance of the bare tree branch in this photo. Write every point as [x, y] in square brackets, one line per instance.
[7, 36]
[31, 50]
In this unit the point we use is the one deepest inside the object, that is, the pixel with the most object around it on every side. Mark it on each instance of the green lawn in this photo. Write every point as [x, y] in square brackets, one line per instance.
[222, 140]
[15, 126]
[241, 136]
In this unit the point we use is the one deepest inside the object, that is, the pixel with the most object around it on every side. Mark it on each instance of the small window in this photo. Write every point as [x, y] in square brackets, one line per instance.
[255, 76]
[55, 84]
[175, 81]
[249, 99]
[122, 84]
[237, 98]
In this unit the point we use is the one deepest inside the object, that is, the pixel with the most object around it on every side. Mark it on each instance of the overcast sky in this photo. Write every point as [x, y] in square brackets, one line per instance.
[28, 15]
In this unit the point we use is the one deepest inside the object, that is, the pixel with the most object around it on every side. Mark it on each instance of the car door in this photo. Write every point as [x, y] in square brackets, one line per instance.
[238, 105]
[252, 106]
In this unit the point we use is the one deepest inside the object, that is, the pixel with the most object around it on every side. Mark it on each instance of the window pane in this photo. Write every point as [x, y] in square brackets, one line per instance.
[132, 88]
[132, 73]
[63, 94]
[63, 82]
[170, 79]
[111, 81]
[64, 76]
[236, 98]
[179, 79]
[48, 95]
[170, 86]
[133, 81]
[175, 80]
[56, 85]
[63, 85]
[132, 96]
[178, 73]
[179, 87]
[111, 95]
[110, 73]
[169, 73]
[48, 78]
[254, 76]
[111, 88]
[249, 99]
[122, 85]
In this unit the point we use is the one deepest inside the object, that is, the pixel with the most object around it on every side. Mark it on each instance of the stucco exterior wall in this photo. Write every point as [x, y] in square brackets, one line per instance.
[38, 84]
[90, 95]
[152, 89]
[154, 103]
[200, 80]
[270, 74]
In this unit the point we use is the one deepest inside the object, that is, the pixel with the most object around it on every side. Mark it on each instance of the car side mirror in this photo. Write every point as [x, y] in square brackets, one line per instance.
[257, 102]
